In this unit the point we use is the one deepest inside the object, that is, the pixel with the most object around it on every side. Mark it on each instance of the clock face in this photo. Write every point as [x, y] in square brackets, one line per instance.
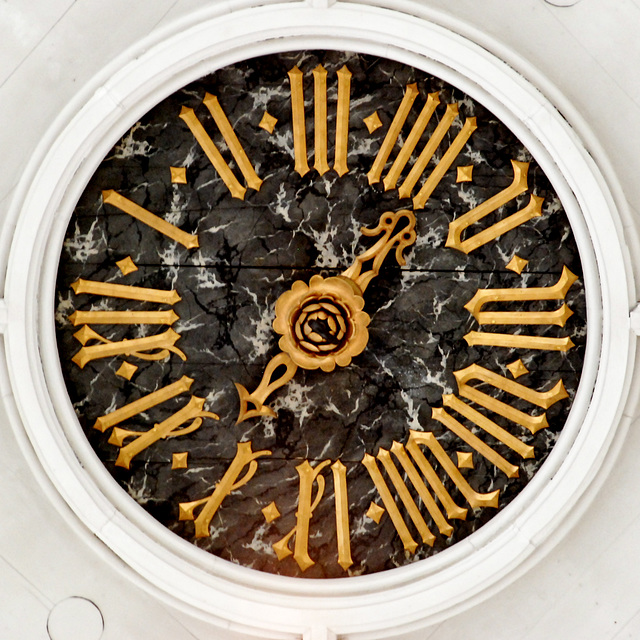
[321, 314]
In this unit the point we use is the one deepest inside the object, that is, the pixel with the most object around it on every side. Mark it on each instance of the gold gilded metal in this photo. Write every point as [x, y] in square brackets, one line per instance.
[179, 460]
[336, 301]
[372, 122]
[450, 114]
[453, 510]
[473, 497]
[489, 426]
[146, 217]
[401, 488]
[271, 512]
[420, 200]
[472, 440]
[188, 115]
[517, 186]
[412, 473]
[244, 457]
[557, 291]
[335, 304]
[268, 122]
[464, 174]
[543, 399]
[375, 512]
[408, 542]
[109, 289]
[123, 317]
[392, 134]
[405, 237]
[428, 472]
[321, 164]
[412, 140]
[511, 341]
[465, 459]
[267, 386]
[298, 121]
[517, 264]
[517, 368]
[237, 150]
[143, 404]
[178, 175]
[342, 121]
[169, 428]
[162, 344]
[126, 370]
[126, 266]
[342, 514]
[307, 504]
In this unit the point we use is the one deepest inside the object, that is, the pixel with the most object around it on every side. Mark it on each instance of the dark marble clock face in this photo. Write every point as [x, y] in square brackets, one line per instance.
[325, 519]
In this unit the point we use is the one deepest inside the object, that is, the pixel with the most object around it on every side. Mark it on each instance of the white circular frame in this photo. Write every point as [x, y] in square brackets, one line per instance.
[373, 606]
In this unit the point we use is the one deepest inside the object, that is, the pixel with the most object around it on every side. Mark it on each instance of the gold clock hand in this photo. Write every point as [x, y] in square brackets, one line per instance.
[405, 237]
[322, 324]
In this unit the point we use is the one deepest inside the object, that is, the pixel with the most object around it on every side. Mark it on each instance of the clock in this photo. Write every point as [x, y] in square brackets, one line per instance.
[183, 206]
[321, 314]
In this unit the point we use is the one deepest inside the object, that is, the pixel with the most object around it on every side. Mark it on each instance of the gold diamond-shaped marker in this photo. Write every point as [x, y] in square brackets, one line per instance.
[179, 460]
[126, 266]
[465, 174]
[517, 264]
[373, 122]
[375, 512]
[178, 175]
[268, 122]
[465, 460]
[517, 368]
[270, 512]
[126, 370]
[84, 334]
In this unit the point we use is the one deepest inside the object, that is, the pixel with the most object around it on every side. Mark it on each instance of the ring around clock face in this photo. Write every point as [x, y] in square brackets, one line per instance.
[320, 314]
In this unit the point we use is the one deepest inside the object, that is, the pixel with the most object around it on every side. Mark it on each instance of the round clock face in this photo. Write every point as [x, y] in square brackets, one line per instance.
[320, 314]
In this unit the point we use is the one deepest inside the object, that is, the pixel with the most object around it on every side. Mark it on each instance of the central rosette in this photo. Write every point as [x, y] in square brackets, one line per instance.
[322, 324]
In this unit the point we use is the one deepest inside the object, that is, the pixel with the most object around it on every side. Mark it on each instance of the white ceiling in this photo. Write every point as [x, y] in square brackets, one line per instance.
[586, 58]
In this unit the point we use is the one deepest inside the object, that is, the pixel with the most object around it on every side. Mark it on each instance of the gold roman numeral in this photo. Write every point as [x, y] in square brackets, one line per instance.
[108, 289]
[138, 346]
[419, 167]
[298, 118]
[532, 423]
[342, 121]
[557, 317]
[213, 153]
[421, 475]
[244, 457]
[307, 503]
[518, 186]
[143, 404]
[150, 219]
[420, 462]
[156, 347]
[123, 317]
[169, 428]
[128, 292]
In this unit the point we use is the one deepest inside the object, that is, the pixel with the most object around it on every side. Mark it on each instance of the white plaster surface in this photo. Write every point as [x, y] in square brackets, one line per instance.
[587, 587]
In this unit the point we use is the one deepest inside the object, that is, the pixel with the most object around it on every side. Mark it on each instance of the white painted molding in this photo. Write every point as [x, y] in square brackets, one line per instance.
[634, 319]
[365, 607]
[321, 4]
[319, 633]
[562, 3]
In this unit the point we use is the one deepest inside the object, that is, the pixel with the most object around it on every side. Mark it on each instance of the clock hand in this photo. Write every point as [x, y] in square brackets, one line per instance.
[322, 324]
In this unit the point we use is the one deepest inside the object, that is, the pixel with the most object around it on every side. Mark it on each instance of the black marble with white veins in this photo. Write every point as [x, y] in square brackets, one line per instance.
[252, 251]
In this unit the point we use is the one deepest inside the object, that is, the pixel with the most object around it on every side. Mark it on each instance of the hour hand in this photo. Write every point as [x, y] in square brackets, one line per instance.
[322, 324]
